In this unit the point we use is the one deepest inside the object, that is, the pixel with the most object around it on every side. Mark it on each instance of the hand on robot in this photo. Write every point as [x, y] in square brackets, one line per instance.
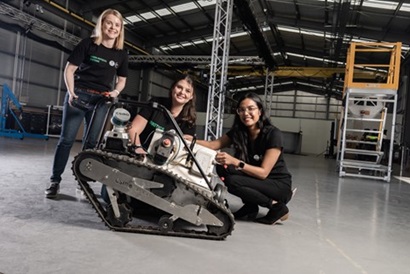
[137, 151]
[188, 137]
[140, 150]
[224, 158]
[115, 93]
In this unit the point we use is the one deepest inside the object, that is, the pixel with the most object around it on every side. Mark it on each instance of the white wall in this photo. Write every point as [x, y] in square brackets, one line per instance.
[315, 133]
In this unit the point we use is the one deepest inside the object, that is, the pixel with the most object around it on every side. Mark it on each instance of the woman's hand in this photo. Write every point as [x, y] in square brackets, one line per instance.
[188, 137]
[140, 150]
[224, 158]
[114, 93]
[139, 153]
[71, 97]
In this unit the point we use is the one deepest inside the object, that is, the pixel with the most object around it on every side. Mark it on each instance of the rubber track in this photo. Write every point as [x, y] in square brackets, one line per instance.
[92, 198]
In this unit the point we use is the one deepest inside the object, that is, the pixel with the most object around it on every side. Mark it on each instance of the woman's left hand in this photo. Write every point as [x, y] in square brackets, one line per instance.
[114, 93]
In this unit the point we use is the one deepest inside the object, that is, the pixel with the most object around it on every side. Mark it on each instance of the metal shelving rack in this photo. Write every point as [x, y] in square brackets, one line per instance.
[365, 112]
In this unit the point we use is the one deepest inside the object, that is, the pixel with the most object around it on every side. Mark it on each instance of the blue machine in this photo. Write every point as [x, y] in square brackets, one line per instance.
[7, 99]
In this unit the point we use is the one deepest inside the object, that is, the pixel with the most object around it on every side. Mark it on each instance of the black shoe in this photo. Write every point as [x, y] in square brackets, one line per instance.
[247, 212]
[276, 213]
[53, 190]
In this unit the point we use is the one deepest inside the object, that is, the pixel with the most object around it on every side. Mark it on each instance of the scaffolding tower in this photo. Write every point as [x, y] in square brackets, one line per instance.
[364, 148]
[219, 69]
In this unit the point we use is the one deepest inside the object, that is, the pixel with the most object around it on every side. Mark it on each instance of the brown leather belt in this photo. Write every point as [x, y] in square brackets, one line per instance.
[93, 91]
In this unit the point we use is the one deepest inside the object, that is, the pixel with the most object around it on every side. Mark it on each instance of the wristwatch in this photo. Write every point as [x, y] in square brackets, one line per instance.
[241, 165]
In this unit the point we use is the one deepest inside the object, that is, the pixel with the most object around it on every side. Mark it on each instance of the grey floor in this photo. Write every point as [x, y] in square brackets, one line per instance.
[337, 225]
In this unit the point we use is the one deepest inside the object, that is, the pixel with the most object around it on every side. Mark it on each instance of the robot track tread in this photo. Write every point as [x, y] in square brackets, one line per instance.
[102, 213]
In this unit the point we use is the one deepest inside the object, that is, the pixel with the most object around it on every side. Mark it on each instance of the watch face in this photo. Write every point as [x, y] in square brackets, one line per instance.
[241, 164]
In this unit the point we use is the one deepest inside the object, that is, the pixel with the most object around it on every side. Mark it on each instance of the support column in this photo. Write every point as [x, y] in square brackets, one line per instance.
[269, 90]
[219, 69]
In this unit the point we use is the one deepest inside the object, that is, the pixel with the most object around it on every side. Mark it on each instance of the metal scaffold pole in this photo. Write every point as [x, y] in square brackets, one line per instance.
[38, 24]
[269, 91]
[219, 69]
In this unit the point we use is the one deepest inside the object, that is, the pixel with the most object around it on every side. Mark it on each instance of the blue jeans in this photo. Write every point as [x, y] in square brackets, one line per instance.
[72, 118]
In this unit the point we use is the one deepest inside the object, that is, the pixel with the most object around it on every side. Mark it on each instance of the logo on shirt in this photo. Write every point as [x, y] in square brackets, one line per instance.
[112, 63]
[97, 59]
[155, 125]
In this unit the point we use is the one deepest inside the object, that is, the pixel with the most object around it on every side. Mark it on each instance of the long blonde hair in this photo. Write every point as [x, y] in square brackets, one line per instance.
[97, 32]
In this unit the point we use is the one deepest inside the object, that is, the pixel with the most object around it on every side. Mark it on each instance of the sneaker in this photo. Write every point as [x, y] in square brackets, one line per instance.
[247, 212]
[53, 190]
[278, 212]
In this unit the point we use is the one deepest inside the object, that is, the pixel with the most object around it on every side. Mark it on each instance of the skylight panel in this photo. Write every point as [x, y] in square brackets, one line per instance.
[184, 7]
[148, 15]
[299, 31]
[207, 3]
[405, 7]
[133, 19]
[163, 12]
[377, 4]
[198, 42]
[239, 34]
[145, 16]
[380, 4]
[320, 34]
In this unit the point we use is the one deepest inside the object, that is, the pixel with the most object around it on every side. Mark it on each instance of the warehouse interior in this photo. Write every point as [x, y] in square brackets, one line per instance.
[346, 217]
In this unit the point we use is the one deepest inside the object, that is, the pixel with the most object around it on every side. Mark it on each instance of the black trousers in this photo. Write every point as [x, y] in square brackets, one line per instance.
[255, 191]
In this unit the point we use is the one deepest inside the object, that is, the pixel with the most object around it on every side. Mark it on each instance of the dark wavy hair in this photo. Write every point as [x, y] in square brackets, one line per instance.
[240, 131]
[188, 112]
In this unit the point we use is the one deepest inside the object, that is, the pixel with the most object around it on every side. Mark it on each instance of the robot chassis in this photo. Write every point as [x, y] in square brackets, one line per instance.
[172, 190]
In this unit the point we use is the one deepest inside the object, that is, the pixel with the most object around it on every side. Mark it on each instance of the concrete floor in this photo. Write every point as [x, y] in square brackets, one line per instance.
[337, 225]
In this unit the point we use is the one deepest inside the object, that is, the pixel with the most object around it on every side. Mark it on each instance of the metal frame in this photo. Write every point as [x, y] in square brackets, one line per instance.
[392, 68]
[219, 69]
[38, 24]
[382, 92]
[197, 59]
[7, 99]
[269, 81]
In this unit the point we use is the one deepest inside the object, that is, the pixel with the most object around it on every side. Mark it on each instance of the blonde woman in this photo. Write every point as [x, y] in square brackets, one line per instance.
[97, 67]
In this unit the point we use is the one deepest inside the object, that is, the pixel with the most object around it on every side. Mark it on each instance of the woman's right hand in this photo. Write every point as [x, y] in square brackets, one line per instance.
[224, 158]
[71, 97]
[188, 137]
[140, 150]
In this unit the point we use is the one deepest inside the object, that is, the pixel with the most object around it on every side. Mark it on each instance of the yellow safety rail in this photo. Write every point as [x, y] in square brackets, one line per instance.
[388, 52]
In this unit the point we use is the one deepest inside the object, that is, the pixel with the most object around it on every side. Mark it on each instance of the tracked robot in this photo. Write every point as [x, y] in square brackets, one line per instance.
[171, 190]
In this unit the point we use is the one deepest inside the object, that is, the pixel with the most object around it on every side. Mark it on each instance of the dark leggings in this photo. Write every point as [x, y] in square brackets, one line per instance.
[256, 191]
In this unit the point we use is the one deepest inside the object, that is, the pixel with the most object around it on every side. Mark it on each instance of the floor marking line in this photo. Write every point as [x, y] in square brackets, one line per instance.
[358, 266]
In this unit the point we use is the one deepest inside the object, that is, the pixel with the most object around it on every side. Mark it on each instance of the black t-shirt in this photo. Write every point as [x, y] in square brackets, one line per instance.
[269, 137]
[158, 119]
[97, 65]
